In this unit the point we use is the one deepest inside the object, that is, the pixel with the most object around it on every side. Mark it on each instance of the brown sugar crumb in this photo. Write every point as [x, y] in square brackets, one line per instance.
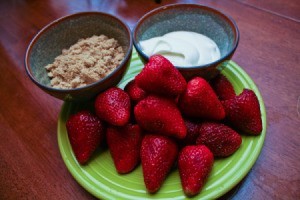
[85, 62]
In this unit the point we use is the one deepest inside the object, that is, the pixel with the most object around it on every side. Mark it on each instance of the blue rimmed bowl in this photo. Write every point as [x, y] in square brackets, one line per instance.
[66, 31]
[190, 17]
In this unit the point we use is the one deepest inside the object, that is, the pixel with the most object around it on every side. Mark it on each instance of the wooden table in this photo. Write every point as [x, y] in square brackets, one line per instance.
[269, 50]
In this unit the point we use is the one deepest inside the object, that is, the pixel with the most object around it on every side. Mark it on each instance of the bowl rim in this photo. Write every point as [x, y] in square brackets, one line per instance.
[61, 19]
[229, 19]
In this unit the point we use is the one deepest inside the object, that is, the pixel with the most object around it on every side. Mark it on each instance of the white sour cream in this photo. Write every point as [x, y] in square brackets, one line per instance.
[183, 48]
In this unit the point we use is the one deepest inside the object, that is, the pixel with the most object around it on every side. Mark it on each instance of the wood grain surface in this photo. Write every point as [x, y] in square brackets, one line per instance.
[269, 51]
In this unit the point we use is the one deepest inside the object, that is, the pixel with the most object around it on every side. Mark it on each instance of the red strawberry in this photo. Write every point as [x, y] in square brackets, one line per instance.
[160, 115]
[113, 106]
[222, 87]
[160, 77]
[194, 163]
[124, 145]
[158, 154]
[135, 92]
[243, 112]
[192, 132]
[85, 132]
[219, 138]
[199, 100]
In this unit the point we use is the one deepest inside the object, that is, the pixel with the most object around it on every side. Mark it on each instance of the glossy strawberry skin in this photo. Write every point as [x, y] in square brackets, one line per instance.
[195, 163]
[85, 132]
[135, 92]
[200, 101]
[160, 115]
[219, 138]
[158, 154]
[223, 87]
[160, 77]
[124, 145]
[243, 112]
[113, 106]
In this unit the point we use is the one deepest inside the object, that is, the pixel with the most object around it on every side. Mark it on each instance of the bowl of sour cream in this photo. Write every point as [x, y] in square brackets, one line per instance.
[198, 40]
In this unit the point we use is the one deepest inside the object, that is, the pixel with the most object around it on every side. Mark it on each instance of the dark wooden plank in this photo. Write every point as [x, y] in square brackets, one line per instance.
[287, 9]
[30, 163]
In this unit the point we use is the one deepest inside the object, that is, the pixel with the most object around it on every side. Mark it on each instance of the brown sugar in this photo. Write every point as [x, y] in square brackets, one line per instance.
[85, 62]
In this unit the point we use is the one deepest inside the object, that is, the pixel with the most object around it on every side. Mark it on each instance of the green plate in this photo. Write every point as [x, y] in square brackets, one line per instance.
[100, 178]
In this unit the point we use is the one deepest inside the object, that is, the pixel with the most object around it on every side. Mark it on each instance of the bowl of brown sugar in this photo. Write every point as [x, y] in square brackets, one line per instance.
[77, 56]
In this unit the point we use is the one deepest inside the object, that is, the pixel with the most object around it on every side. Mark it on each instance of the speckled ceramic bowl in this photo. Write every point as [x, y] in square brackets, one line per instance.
[66, 31]
[190, 17]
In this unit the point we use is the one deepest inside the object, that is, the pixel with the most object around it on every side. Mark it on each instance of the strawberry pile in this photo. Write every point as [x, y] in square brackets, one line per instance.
[160, 120]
